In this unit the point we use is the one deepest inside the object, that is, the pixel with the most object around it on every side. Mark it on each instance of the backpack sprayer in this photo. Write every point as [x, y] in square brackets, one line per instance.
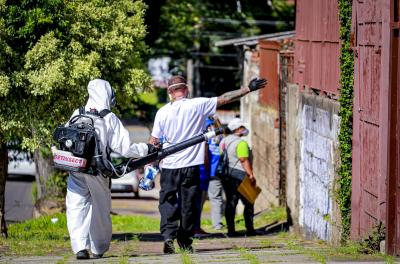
[79, 150]
[134, 164]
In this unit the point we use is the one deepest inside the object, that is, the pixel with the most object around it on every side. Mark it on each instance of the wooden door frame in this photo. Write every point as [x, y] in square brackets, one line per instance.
[389, 105]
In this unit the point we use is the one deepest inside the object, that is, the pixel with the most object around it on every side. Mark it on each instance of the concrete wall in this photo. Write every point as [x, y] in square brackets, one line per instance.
[263, 138]
[312, 155]
[312, 152]
[250, 70]
[292, 152]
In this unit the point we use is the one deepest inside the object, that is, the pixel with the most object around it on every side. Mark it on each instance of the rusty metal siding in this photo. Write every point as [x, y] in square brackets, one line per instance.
[396, 158]
[317, 45]
[269, 63]
[368, 186]
[391, 44]
[369, 150]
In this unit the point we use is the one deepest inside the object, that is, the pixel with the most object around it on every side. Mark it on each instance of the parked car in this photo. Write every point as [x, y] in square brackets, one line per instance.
[129, 183]
[20, 163]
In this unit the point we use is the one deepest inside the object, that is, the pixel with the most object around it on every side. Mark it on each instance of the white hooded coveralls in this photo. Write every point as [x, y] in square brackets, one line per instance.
[89, 197]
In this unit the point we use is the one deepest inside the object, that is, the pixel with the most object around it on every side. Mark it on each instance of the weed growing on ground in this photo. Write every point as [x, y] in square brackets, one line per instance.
[123, 260]
[321, 253]
[389, 259]
[125, 248]
[266, 243]
[65, 259]
[245, 254]
[185, 257]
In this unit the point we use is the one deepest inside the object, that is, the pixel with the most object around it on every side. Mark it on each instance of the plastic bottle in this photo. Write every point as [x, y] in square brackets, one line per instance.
[147, 182]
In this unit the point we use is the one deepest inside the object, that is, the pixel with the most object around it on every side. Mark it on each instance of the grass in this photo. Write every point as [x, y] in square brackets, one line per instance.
[40, 229]
[48, 235]
[185, 257]
[37, 237]
[245, 254]
[322, 253]
[40, 236]
[135, 224]
[123, 260]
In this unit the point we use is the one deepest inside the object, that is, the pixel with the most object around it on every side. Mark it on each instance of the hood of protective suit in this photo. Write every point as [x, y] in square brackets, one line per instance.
[100, 95]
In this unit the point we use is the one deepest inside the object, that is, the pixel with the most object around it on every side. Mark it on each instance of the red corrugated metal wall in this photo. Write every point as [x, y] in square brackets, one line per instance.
[317, 45]
[376, 112]
[368, 185]
[269, 63]
[391, 109]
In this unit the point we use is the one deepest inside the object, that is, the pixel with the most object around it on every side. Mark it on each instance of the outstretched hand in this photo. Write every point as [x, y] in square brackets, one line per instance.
[256, 84]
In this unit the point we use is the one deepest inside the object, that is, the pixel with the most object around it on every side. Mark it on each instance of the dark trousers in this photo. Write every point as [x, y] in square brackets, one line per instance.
[232, 198]
[177, 204]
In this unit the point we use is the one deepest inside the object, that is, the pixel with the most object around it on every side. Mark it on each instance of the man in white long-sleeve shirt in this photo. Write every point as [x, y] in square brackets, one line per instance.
[88, 196]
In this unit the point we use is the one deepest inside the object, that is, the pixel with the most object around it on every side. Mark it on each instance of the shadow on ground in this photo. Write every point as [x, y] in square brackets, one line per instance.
[270, 229]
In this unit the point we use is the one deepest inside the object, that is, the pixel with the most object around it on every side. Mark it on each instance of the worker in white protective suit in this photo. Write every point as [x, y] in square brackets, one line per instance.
[88, 198]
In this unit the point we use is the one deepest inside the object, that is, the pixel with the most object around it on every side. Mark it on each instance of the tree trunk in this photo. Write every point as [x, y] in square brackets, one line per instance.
[44, 170]
[3, 177]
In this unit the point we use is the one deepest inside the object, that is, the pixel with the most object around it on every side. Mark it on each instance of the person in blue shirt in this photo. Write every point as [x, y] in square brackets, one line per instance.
[207, 173]
[215, 189]
[204, 181]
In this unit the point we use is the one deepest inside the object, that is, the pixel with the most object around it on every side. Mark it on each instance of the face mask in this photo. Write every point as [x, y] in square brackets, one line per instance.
[171, 99]
[244, 132]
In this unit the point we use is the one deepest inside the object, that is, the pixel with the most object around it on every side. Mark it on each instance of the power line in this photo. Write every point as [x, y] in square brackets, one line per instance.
[247, 21]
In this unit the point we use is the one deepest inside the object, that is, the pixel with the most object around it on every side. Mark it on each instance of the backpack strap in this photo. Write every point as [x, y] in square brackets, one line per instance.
[104, 112]
[233, 141]
[227, 147]
[82, 110]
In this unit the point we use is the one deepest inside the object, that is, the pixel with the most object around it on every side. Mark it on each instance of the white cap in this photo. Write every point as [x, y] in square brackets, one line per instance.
[236, 123]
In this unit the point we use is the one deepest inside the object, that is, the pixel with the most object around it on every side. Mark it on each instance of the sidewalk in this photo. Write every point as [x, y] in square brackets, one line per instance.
[147, 248]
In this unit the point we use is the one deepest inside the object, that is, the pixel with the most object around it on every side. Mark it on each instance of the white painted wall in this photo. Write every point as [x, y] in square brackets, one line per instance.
[318, 143]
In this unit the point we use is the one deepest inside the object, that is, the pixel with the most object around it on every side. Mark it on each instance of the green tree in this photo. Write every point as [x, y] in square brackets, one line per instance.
[188, 29]
[193, 24]
[49, 50]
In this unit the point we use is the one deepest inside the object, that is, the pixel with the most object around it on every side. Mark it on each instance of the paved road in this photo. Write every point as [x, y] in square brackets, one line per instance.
[126, 204]
[18, 198]
[19, 206]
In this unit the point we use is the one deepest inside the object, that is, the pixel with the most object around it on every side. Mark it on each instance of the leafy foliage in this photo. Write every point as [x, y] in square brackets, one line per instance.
[191, 25]
[189, 29]
[346, 115]
[56, 186]
[50, 49]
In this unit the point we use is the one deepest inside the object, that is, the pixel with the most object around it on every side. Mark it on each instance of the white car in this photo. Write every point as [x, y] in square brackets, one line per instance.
[20, 164]
[129, 183]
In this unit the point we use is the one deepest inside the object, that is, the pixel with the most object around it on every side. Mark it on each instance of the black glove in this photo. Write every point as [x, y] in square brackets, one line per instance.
[151, 148]
[256, 84]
